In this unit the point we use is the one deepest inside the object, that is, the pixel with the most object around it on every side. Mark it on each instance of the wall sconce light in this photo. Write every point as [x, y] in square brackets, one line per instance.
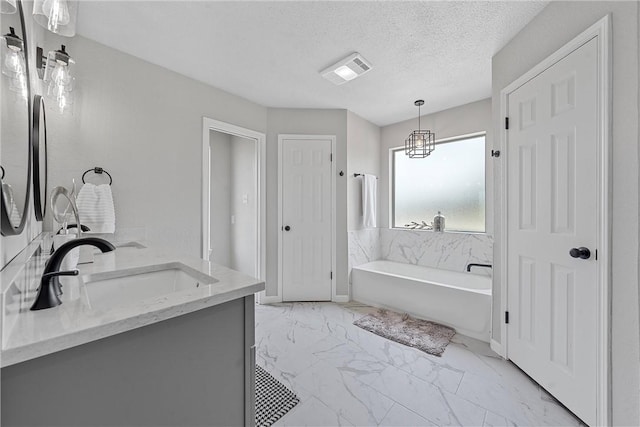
[8, 6]
[13, 63]
[420, 143]
[57, 75]
[57, 16]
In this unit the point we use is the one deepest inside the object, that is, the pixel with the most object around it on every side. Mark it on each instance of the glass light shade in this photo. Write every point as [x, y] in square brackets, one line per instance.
[13, 66]
[59, 67]
[13, 62]
[59, 81]
[8, 6]
[57, 16]
[61, 94]
[18, 84]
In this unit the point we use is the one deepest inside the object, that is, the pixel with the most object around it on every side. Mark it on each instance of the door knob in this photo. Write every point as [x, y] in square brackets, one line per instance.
[287, 228]
[581, 252]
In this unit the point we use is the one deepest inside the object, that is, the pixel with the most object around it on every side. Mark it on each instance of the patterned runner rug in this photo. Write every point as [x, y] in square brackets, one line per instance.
[273, 399]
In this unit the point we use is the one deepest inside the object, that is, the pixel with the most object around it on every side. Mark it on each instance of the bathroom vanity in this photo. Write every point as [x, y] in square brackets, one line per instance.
[141, 338]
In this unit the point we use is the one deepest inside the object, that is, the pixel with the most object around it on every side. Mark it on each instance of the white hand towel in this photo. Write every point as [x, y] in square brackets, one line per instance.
[369, 200]
[95, 207]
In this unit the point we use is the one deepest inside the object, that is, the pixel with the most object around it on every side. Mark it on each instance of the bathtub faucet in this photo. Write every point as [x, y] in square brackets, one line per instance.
[478, 265]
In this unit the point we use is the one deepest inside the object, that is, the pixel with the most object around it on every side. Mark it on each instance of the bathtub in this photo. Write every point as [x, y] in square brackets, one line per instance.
[459, 300]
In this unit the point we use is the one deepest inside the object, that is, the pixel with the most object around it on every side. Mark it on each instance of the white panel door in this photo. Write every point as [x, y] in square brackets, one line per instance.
[552, 208]
[306, 215]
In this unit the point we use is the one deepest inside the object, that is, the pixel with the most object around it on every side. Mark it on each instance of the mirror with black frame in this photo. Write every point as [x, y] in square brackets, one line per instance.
[15, 144]
[39, 154]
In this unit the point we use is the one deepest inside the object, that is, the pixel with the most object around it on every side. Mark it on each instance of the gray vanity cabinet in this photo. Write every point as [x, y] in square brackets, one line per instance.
[196, 369]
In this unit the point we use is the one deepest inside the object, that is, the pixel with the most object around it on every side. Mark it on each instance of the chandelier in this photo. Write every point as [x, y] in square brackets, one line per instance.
[420, 143]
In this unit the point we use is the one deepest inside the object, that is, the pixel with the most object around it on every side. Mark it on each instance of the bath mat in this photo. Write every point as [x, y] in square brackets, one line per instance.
[273, 399]
[424, 335]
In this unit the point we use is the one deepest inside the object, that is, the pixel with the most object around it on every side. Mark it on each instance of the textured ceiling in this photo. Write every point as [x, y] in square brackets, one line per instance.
[271, 52]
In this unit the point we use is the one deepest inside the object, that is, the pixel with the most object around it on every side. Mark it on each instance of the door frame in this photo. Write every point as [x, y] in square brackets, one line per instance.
[332, 138]
[260, 139]
[601, 30]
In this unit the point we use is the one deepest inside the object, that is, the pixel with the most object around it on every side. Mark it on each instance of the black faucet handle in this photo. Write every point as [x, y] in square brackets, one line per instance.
[60, 273]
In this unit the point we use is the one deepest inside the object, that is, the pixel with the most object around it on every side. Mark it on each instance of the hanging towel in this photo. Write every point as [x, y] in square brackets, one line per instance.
[369, 200]
[95, 207]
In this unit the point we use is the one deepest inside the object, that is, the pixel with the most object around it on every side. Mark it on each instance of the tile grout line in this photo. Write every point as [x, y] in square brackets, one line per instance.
[460, 383]
[387, 413]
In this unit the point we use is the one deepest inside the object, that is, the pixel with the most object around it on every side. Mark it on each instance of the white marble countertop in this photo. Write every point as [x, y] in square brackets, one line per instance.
[29, 334]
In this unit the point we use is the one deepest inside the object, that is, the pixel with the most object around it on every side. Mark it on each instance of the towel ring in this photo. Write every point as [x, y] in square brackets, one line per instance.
[99, 171]
[2, 177]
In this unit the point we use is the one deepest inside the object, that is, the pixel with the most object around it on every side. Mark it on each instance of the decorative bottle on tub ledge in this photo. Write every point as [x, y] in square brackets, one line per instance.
[438, 222]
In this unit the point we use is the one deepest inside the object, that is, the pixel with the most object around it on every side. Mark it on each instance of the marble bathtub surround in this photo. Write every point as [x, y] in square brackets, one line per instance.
[448, 250]
[344, 375]
[364, 246]
[30, 334]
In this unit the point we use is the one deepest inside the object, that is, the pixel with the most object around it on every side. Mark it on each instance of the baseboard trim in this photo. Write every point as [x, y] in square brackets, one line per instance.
[340, 298]
[269, 300]
[497, 347]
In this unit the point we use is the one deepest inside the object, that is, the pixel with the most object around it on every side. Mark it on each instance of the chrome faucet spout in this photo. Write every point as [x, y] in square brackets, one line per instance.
[50, 284]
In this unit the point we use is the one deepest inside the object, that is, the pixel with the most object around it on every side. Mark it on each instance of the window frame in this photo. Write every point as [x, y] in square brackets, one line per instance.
[392, 184]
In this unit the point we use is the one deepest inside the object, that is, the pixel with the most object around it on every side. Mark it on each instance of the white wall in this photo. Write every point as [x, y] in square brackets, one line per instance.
[143, 124]
[309, 122]
[558, 23]
[220, 198]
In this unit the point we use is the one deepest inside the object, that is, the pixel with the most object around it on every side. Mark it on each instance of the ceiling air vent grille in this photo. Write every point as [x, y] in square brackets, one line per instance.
[347, 69]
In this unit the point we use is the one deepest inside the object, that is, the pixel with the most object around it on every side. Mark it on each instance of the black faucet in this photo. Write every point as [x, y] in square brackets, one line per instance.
[50, 287]
[478, 265]
[83, 228]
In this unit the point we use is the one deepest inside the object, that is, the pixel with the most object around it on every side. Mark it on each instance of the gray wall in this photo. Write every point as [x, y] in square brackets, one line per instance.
[221, 189]
[311, 122]
[243, 184]
[557, 24]
[363, 156]
[143, 124]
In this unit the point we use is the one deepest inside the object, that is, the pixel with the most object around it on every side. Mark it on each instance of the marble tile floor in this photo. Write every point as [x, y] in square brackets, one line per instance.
[344, 375]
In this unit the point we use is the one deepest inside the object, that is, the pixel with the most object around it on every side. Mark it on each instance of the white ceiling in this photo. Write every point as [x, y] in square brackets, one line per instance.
[271, 52]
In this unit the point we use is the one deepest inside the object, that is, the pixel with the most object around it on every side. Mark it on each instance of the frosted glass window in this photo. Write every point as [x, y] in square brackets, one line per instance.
[451, 180]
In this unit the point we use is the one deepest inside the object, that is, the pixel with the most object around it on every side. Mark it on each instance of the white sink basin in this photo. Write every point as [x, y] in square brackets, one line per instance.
[122, 288]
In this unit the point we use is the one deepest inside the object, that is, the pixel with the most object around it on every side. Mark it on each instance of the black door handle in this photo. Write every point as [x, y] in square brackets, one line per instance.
[287, 228]
[581, 252]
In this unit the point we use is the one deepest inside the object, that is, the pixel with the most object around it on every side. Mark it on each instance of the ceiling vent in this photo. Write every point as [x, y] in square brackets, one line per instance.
[347, 69]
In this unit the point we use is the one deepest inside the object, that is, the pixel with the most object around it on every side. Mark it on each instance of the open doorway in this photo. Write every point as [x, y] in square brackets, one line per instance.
[233, 197]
